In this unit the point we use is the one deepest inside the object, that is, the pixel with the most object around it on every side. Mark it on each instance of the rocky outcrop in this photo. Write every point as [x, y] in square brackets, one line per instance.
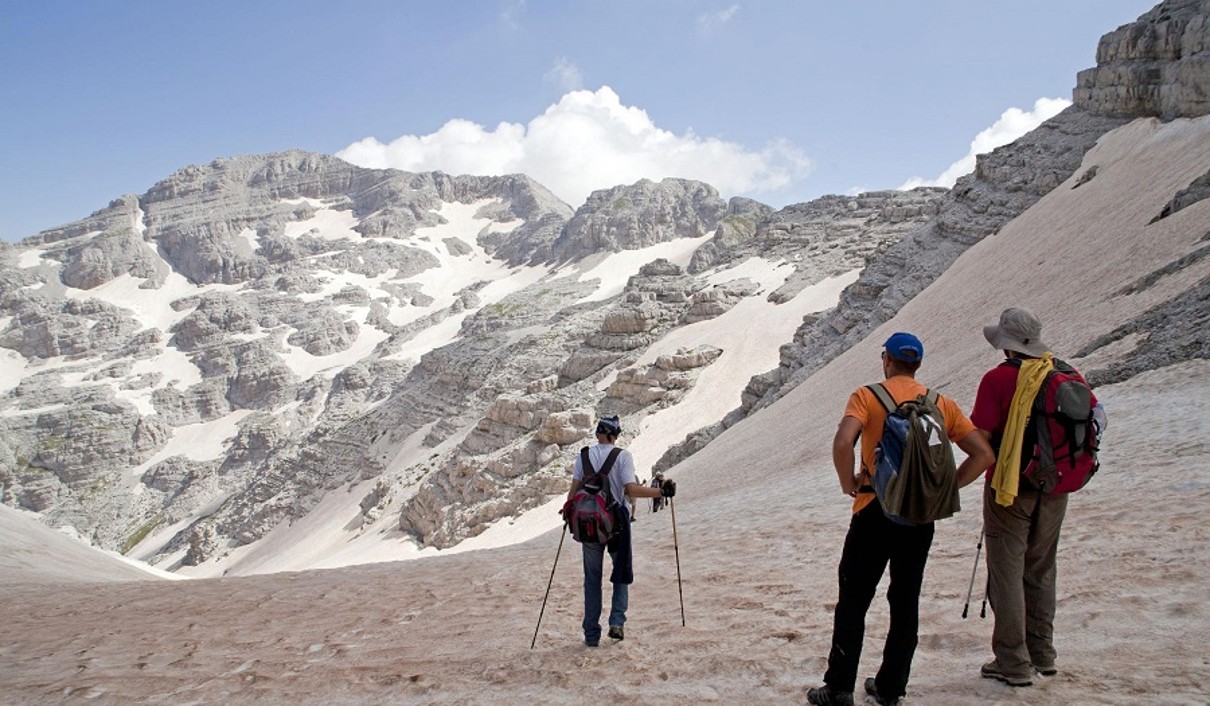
[659, 385]
[1171, 332]
[636, 216]
[716, 301]
[1157, 66]
[45, 328]
[820, 238]
[737, 226]
[1198, 190]
[655, 300]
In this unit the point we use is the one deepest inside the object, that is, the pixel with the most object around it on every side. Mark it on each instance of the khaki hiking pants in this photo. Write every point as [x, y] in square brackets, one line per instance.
[1022, 540]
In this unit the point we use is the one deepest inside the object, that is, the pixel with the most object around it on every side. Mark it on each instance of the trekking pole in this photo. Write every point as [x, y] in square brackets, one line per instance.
[676, 548]
[548, 583]
[971, 589]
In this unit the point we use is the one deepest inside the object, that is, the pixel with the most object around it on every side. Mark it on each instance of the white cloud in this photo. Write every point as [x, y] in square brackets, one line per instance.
[1013, 123]
[565, 75]
[709, 22]
[587, 141]
[510, 13]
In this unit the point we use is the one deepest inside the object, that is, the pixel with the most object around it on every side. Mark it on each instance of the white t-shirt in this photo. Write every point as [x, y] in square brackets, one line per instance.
[621, 473]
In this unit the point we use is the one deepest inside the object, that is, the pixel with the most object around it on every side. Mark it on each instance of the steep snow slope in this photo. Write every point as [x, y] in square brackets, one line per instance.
[34, 555]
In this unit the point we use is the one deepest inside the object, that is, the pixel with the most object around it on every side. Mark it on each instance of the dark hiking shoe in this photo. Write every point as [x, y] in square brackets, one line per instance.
[872, 689]
[616, 633]
[827, 696]
[1048, 671]
[992, 671]
[592, 643]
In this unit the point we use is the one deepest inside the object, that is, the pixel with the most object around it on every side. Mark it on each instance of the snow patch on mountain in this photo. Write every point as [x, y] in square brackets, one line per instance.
[615, 269]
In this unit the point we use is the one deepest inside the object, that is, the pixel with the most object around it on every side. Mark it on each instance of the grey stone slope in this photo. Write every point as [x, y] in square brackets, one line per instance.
[222, 223]
[1157, 66]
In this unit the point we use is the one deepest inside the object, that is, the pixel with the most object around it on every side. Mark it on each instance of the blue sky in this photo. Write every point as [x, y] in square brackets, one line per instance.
[781, 101]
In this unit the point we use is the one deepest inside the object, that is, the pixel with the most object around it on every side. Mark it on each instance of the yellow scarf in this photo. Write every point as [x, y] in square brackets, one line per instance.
[1008, 464]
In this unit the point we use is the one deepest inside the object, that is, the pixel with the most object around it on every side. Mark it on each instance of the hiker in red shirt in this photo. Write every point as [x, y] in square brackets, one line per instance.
[874, 540]
[1021, 523]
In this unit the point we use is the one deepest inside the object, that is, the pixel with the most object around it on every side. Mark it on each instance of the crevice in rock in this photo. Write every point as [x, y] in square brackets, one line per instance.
[1149, 280]
[1198, 190]
[1174, 331]
[1087, 176]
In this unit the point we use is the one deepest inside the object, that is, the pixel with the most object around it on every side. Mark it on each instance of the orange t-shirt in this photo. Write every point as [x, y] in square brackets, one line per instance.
[865, 408]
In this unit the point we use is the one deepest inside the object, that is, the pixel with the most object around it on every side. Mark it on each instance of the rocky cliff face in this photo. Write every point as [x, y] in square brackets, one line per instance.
[1158, 66]
[213, 300]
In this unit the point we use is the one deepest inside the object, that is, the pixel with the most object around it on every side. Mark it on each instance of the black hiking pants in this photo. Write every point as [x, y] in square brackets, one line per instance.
[874, 541]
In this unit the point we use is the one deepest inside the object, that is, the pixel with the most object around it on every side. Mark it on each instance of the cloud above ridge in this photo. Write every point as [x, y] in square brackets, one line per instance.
[565, 75]
[1012, 124]
[710, 22]
[586, 141]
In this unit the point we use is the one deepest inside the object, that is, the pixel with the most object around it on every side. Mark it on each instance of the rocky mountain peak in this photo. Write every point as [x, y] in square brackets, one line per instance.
[1158, 65]
[642, 214]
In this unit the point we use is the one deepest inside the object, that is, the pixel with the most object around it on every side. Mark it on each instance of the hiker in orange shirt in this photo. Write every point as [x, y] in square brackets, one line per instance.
[874, 540]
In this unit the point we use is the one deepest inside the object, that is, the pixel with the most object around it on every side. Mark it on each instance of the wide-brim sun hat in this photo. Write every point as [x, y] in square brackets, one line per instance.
[1019, 330]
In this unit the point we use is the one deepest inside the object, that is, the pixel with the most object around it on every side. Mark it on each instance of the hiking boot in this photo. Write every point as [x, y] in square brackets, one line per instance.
[592, 643]
[992, 671]
[872, 689]
[616, 633]
[1047, 671]
[827, 696]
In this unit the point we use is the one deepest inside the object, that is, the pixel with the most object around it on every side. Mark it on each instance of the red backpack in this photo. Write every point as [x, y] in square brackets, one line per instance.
[1059, 451]
[591, 514]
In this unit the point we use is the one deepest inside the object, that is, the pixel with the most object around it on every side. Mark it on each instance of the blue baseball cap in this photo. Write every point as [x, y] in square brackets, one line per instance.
[905, 347]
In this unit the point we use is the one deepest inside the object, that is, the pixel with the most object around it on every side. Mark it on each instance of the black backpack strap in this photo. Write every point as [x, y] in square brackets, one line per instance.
[613, 456]
[603, 474]
[884, 396]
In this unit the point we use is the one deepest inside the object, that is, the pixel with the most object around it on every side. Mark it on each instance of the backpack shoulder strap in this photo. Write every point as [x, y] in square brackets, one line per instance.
[932, 396]
[613, 456]
[884, 396]
[601, 475]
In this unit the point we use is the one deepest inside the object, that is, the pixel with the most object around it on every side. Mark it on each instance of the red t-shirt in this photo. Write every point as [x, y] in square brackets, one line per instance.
[994, 399]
